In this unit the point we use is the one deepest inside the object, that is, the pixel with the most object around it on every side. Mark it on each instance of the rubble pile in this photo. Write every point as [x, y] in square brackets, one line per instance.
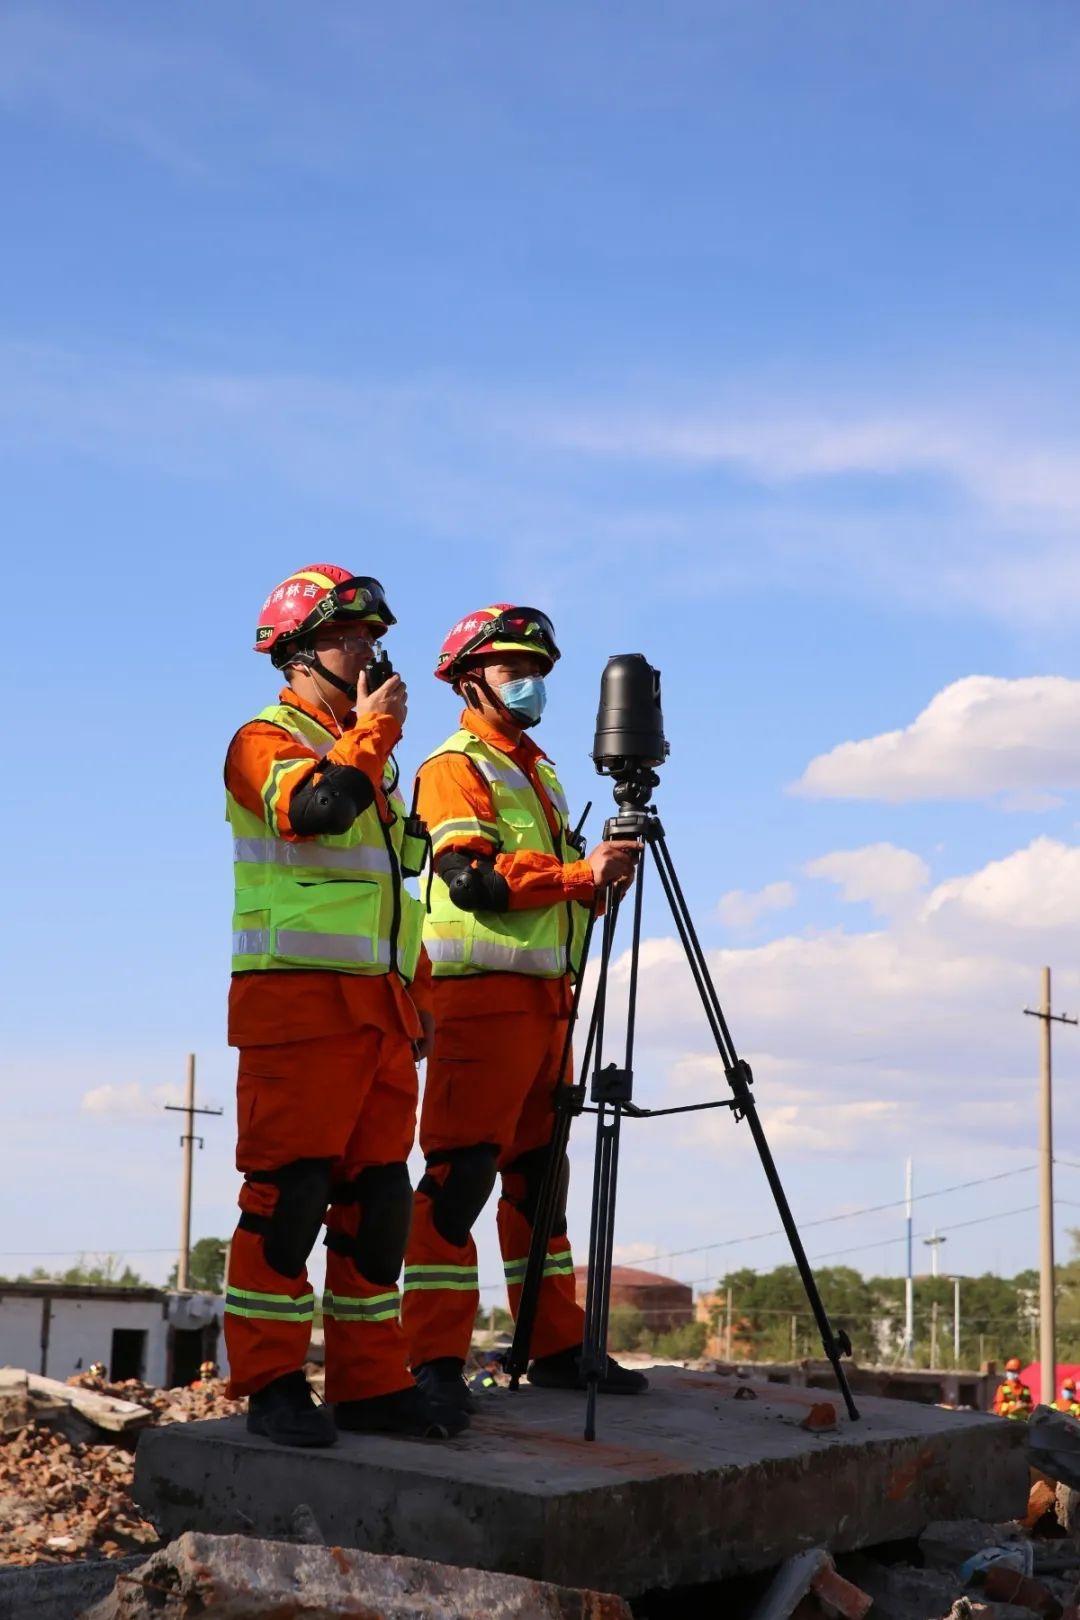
[206, 1399]
[65, 1486]
[960, 1570]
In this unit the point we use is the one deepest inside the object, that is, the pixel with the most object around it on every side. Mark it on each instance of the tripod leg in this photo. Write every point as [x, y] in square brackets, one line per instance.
[517, 1357]
[601, 1239]
[611, 1090]
[835, 1345]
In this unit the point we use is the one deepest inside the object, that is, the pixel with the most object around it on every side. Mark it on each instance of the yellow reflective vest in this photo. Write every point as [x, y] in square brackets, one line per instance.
[334, 902]
[544, 941]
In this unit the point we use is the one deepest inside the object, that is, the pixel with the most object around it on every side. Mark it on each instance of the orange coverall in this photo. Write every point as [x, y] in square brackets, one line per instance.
[491, 1078]
[326, 1071]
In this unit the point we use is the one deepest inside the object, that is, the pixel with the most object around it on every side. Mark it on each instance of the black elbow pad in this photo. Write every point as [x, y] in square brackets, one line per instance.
[473, 888]
[330, 802]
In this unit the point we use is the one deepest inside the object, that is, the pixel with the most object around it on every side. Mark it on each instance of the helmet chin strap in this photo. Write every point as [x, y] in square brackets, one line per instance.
[523, 721]
[349, 688]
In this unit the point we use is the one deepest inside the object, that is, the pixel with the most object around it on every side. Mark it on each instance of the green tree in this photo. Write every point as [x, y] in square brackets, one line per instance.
[682, 1343]
[102, 1271]
[206, 1266]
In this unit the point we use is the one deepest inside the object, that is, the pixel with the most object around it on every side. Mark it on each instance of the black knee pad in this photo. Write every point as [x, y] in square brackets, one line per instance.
[289, 1234]
[530, 1167]
[384, 1194]
[458, 1200]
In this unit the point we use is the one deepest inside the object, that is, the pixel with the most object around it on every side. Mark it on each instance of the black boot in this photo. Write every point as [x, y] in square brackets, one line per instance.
[285, 1411]
[563, 1371]
[412, 1411]
[443, 1379]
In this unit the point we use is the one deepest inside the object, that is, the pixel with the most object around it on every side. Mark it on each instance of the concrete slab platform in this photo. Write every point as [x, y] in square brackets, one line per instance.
[705, 1476]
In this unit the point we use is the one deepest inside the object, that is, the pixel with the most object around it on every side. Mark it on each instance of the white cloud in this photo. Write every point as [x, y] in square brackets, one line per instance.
[912, 1032]
[130, 1100]
[978, 737]
[1014, 474]
[741, 908]
[1033, 893]
[883, 874]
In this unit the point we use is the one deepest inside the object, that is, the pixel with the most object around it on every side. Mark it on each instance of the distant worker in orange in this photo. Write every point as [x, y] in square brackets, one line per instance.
[330, 1010]
[1067, 1401]
[1013, 1398]
[509, 906]
[208, 1375]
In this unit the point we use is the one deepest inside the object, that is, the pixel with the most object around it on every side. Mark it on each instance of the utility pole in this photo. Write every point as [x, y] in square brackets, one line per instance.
[933, 1331]
[909, 1281]
[727, 1327]
[956, 1321]
[934, 1244]
[187, 1142]
[1047, 1339]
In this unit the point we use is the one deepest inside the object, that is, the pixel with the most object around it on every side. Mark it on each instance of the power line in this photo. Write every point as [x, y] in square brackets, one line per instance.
[827, 1220]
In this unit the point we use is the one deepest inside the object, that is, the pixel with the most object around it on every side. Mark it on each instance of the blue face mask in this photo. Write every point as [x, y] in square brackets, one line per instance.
[525, 698]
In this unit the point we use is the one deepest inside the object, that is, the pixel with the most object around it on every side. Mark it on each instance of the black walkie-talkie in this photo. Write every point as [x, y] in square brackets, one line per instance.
[378, 671]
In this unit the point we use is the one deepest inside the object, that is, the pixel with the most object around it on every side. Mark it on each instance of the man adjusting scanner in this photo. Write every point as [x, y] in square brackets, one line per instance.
[510, 902]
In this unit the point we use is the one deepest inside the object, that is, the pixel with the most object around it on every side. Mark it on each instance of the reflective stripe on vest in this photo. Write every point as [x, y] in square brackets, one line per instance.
[295, 942]
[541, 941]
[542, 960]
[277, 852]
[335, 902]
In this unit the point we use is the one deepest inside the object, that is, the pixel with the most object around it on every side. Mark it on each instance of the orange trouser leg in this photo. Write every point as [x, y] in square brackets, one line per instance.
[267, 1318]
[367, 1227]
[489, 1083]
[441, 1294]
[299, 1106]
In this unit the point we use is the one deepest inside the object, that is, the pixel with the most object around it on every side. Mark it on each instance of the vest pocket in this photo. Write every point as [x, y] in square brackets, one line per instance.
[515, 827]
[333, 924]
[410, 932]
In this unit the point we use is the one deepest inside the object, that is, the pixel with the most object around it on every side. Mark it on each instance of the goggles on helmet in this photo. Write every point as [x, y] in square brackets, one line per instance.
[523, 624]
[359, 595]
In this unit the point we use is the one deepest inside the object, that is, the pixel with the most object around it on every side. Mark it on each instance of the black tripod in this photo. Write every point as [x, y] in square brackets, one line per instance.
[612, 1099]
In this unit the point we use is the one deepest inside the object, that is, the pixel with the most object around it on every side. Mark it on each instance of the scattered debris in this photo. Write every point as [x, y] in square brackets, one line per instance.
[237, 1578]
[66, 1462]
[821, 1418]
[808, 1585]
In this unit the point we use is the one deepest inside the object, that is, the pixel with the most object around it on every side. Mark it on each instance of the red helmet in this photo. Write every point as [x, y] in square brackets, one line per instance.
[316, 596]
[1013, 1364]
[1070, 1384]
[499, 628]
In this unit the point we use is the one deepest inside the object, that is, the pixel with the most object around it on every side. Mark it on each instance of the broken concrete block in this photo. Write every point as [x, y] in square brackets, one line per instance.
[687, 1487]
[1067, 1509]
[948, 1543]
[237, 1578]
[901, 1592]
[1053, 1440]
[791, 1583]
[1004, 1585]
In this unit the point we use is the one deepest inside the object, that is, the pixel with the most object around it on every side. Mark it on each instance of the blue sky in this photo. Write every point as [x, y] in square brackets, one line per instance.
[743, 335]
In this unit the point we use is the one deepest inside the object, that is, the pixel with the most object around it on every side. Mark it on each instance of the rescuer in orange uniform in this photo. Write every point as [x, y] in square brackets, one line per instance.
[326, 939]
[1068, 1401]
[1013, 1397]
[509, 900]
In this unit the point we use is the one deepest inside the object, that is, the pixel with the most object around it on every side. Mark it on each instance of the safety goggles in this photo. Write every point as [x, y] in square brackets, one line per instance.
[359, 596]
[522, 624]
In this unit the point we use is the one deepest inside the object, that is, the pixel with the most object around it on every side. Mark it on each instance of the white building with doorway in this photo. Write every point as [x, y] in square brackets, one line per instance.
[154, 1334]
